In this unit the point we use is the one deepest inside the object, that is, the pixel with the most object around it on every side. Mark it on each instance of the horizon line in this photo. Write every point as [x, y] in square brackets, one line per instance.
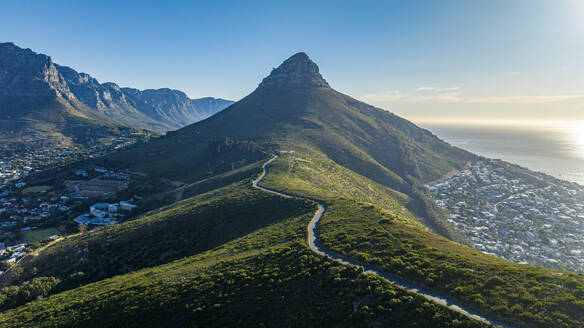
[482, 121]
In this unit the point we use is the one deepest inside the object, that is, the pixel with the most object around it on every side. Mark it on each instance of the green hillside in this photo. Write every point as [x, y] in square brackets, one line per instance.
[222, 253]
[286, 286]
[295, 109]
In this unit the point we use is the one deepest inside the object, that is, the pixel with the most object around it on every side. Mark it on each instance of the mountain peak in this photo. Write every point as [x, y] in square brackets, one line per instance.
[298, 71]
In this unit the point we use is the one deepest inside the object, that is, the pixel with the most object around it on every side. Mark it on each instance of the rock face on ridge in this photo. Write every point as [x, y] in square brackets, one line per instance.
[298, 71]
[27, 77]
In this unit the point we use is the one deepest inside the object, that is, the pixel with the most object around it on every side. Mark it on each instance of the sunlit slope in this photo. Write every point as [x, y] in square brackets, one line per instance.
[366, 223]
[313, 174]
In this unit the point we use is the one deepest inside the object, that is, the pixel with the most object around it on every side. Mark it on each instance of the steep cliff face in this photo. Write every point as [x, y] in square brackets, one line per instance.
[87, 89]
[27, 80]
[108, 99]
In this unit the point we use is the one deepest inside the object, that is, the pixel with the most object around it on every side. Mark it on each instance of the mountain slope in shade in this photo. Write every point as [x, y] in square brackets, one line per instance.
[173, 108]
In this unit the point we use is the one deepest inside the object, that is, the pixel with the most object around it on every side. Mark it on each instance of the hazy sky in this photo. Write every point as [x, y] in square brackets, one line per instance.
[421, 59]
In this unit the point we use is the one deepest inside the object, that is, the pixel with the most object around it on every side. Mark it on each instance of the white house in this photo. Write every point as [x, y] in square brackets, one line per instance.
[113, 208]
[99, 209]
[127, 206]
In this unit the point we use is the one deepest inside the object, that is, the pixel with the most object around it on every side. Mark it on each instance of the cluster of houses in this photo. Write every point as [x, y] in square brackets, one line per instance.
[21, 212]
[22, 164]
[12, 254]
[105, 214]
[29, 211]
[105, 174]
[44, 209]
[12, 170]
[516, 214]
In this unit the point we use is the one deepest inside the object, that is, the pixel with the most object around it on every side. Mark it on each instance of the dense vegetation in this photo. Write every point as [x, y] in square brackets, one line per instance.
[182, 229]
[265, 277]
[187, 160]
[14, 296]
[282, 287]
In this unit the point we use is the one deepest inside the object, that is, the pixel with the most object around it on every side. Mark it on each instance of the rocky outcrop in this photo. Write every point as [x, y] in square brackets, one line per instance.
[298, 71]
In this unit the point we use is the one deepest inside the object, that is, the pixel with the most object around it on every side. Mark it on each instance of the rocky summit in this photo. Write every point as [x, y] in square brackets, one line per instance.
[298, 71]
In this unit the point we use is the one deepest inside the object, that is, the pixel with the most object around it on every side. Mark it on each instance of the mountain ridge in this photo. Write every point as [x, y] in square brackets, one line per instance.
[161, 110]
[31, 82]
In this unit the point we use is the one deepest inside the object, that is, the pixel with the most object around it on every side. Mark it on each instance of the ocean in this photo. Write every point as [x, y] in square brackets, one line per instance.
[553, 148]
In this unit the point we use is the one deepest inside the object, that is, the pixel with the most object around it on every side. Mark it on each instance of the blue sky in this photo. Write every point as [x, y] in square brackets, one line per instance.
[424, 60]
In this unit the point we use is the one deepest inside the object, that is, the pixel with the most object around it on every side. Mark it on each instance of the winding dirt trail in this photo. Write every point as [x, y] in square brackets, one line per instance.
[315, 247]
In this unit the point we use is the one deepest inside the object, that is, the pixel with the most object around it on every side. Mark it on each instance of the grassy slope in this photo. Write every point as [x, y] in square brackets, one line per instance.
[312, 174]
[266, 277]
[361, 225]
